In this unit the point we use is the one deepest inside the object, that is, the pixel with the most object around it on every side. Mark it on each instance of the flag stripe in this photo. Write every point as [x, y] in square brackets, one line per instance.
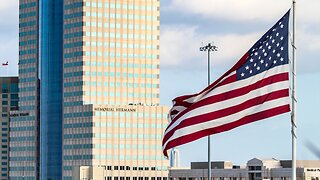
[255, 88]
[210, 104]
[238, 88]
[211, 123]
[205, 117]
[246, 82]
[182, 102]
[223, 81]
[226, 127]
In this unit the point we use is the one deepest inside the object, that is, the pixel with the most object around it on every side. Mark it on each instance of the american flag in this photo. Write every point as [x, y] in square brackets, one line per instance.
[255, 88]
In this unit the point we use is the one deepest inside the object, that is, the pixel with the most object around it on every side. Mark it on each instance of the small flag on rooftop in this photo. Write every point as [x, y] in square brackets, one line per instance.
[5, 64]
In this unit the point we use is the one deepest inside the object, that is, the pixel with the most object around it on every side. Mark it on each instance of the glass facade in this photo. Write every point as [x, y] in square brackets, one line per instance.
[89, 81]
[24, 135]
[51, 60]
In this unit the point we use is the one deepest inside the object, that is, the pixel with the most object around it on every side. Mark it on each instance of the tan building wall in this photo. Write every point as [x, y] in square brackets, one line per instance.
[112, 116]
[125, 139]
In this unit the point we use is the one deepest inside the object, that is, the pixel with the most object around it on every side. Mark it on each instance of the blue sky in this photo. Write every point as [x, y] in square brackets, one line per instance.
[185, 24]
[233, 26]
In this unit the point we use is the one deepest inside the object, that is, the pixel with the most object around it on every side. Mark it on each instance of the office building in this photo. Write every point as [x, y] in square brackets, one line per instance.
[40, 61]
[255, 169]
[96, 65]
[9, 102]
[112, 116]
[25, 141]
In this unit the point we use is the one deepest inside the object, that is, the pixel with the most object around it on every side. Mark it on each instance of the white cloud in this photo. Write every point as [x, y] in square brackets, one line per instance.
[9, 16]
[180, 47]
[4, 5]
[245, 10]
[308, 48]
[308, 11]
[308, 41]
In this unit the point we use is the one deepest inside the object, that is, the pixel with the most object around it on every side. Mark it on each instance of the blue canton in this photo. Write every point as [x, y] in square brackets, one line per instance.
[269, 51]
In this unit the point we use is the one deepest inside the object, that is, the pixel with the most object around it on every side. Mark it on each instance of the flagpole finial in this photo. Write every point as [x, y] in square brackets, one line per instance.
[208, 47]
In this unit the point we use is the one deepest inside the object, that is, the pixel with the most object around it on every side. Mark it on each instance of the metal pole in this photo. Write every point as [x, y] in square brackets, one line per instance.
[294, 101]
[209, 48]
[209, 144]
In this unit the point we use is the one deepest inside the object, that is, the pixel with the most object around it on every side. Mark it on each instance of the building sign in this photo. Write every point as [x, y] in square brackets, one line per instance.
[314, 170]
[115, 109]
[19, 114]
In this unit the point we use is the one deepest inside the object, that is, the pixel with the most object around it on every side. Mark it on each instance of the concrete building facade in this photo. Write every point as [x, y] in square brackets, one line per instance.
[112, 116]
[9, 102]
[255, 169]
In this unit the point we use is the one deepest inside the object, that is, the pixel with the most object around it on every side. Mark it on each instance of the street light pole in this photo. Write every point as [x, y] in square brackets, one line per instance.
[209, 47]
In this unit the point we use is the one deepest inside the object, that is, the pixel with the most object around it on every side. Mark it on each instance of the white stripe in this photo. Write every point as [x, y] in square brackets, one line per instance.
[237, 100]
[230, 102]
[178, 108]
[196, 98]
[228, 119]
[248, 81]
[237, 84]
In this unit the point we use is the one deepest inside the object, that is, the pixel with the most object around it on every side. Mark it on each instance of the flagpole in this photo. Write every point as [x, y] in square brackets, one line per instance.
[294, 100]
[209, 47]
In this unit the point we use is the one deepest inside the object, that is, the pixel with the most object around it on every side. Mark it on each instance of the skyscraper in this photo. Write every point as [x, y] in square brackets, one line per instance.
[24, 144]
[51, 99]
[9, 102]
[112, 116]
[98, 64]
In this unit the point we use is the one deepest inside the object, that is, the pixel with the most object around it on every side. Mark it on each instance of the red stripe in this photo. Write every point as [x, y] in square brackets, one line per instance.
[179, 100]
[226, 127]
[185, 104]
[182, 103]
[234, 68]
[233, 93]
[227, 111]
[193, 105]
[228, 80]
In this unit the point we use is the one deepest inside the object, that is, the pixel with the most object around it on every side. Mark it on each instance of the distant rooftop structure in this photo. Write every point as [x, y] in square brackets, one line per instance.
[174, 158]
[255, 169]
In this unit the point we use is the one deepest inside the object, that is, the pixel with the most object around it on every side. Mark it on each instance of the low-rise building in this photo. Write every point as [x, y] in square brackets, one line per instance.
[255, 169]
[9, 102]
